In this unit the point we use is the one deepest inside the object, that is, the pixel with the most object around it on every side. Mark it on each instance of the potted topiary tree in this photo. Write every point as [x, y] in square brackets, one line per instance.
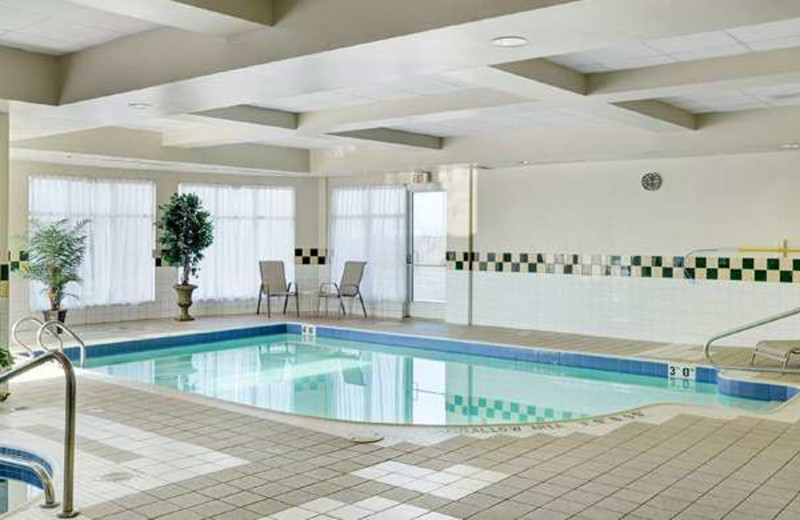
[55, 254]
[185, 231]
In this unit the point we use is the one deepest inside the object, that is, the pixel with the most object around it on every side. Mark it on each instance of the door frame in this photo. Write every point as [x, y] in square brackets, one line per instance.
[414, 309]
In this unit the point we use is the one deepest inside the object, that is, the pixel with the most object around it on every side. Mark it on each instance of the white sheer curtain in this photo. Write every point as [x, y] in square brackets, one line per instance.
[369, 224]
[119, 266]
[251, 223]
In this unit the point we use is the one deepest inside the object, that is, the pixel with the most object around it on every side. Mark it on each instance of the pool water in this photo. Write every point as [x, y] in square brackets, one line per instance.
[366, 382]
[14, 494]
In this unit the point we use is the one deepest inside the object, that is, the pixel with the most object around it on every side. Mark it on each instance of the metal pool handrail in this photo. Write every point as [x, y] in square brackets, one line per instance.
[44, 477]
[746, 327]
[15, 334]
[67, 506]
[55, 323]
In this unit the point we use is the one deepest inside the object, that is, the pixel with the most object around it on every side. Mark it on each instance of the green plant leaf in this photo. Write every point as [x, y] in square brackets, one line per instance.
[55, 254]
[185, 231]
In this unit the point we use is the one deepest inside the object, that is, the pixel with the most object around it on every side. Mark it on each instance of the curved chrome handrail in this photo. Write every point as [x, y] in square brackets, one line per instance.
[67, 506]
[44, 477]
[743, 328]
[48, 325]
[25, 319]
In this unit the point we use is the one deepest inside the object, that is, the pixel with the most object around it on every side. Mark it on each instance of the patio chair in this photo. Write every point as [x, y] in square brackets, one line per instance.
[349, 287]
[777, 350]
[274, 285]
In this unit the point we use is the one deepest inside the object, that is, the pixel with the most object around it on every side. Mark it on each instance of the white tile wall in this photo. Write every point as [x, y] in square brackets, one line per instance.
[163, 306]
[457, 297]
[308, 278]
[4, 320]
[677, 311]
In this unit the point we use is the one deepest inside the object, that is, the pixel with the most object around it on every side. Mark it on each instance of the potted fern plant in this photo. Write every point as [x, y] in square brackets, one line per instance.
[185, 231]
[55, 254]
[6, 362]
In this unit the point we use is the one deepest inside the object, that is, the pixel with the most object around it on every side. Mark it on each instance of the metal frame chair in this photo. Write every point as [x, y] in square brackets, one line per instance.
[273, 284]
[348, 287]
[781, 350]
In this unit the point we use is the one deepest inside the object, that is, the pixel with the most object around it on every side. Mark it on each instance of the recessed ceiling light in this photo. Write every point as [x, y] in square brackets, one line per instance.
[790, 146]
[139, 105]
[510, 41]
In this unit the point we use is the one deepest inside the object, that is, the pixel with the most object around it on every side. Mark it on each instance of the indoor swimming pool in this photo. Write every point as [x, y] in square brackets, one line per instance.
[345, 379]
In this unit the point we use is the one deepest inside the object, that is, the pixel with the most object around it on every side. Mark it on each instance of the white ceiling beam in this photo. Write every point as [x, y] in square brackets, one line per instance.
[422, 108]
[147, 146]
[29, 77]
[251, 115]
[555, 86]
[389, 46]
[236, 124]
[752, 131]
[213, 17]
[728, 72]
[391, 138]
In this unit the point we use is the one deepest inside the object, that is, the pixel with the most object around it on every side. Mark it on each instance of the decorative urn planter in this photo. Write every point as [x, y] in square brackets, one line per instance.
[184, 293]
[59, 315]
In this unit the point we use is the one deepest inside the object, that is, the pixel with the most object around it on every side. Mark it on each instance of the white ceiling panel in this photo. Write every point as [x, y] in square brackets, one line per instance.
[515, 117]
[693, 42]
[304, 142]
[316, 101]
[415, 86]
[766, 31]
[59, 27]
[733, 100]
[740, 40]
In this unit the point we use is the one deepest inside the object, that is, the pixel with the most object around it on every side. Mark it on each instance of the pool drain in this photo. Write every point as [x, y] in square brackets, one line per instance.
[365, 438]
[117, 476]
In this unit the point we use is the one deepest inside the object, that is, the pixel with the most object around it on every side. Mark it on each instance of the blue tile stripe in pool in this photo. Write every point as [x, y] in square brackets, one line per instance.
[139, 345]
[10, 470]
[735, 388]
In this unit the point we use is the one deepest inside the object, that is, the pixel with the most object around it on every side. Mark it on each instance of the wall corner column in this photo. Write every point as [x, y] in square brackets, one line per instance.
[5, 219]
[460, 184]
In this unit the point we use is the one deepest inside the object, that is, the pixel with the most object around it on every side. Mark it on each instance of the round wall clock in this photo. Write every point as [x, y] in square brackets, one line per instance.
[652, 181]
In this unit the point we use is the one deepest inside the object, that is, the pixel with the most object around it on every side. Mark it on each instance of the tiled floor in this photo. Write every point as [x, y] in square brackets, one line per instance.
[149, 455]
[153, 453]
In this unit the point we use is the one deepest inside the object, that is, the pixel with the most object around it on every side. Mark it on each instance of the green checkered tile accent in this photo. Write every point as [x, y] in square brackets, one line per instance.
[310, 256]
[5, 284]
[17, 260]
[744, 269]
[494, 410]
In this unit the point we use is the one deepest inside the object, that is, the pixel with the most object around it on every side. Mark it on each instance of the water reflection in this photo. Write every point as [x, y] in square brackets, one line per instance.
[333, 380]
[15, 494]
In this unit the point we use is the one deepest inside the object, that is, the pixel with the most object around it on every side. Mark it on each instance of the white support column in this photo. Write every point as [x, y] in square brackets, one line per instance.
[459, 183]
[5, 267]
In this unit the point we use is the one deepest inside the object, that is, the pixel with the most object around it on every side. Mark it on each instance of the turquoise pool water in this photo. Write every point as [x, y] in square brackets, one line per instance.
[366, 382]
[15, 494]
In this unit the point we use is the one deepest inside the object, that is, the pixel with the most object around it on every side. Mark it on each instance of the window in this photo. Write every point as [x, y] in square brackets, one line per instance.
[369, 224]
[119, 266]
[251, 223]
[429, 245]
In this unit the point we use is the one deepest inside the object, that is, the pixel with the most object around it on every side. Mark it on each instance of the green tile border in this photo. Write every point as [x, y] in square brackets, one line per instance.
[728, 268]
[310, 256]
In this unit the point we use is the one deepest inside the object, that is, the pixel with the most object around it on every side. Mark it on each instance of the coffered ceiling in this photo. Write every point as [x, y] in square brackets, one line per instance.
[309, 87]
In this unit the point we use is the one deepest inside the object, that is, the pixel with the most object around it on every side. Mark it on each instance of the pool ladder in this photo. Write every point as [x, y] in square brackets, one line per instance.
[70, 414]
[41, 473]
[742, 328]
[47, 327]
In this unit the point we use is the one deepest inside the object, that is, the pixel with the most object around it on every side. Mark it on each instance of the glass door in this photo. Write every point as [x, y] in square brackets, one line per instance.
[428, 246]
